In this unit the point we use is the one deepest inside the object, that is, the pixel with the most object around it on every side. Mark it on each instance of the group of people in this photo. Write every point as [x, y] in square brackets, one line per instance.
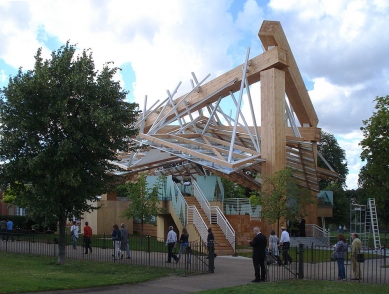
[259, 244]
[341, 248]
[120, 239]
[6, 226]
[171, 242]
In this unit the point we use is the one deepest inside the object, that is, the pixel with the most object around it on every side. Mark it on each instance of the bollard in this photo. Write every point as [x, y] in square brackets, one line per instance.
[211, 256]
[301, 261]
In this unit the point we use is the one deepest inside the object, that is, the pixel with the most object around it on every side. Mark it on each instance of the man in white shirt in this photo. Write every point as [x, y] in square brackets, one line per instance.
[285, 243]
[74, 233]
[171, 242]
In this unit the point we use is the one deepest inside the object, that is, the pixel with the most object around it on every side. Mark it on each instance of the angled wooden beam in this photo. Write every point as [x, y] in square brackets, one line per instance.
[274, 58]
[272, 34]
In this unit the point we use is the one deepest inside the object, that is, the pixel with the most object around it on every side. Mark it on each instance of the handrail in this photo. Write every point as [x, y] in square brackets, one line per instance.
[203, 201]
[224, 225]
[215, 215]
[178, 201]
[320, 233]
[195, 218]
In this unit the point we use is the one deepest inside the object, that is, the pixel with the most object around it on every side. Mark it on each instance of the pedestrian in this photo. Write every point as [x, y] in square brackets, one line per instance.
[171, 241]
[74, 234]
[211, 243]
[184, 240]
[3, 228]
[302, 227]
[87, 238]
[285, 243]
[340, 249]
[10, 226]
[259, 254]
[117, 242]
[124, 242]
[273, 247]
[340, 229]
[356, 247]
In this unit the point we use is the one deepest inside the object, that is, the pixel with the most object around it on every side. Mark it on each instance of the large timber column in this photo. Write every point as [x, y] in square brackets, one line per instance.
[273, 136]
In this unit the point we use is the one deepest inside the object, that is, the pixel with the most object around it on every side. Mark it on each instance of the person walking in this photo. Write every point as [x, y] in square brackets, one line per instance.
[74, 234]
[171, 241]
[184, 240]
[117, 242]
[356, 247]
[340, 249]
[273, 247]
[259, 253]
[87, 238]
[10, 226]
[285, 243]
[211, 242]
[124, 242]
[3, 228]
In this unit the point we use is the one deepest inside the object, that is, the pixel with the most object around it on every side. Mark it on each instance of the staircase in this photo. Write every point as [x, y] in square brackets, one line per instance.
[222, 246]
[372, 223]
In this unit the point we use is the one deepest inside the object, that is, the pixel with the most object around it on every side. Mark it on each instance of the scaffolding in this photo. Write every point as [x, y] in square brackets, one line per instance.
[364, 222]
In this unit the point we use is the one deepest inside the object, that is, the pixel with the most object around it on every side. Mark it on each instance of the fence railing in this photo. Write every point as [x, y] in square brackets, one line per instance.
[147, 251]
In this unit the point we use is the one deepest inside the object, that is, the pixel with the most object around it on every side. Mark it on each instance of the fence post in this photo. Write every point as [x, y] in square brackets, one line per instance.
[384, 255]
[211, 256]
[301, 261]
[148, 248]
[104, 236]
[312, 253]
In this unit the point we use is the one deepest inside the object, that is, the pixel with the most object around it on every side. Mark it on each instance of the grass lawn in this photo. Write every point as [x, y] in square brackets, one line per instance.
[27, 273]
[303, 287]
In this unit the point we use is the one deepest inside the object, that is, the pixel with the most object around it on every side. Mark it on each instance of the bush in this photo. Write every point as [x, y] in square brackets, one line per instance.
[24, 223]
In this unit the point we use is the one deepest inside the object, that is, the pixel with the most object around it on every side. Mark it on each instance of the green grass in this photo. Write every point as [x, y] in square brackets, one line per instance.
[302, 287]
[27, 273]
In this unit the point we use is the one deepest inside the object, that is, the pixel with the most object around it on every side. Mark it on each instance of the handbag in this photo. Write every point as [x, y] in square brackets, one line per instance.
[360, 257]
[333, 256]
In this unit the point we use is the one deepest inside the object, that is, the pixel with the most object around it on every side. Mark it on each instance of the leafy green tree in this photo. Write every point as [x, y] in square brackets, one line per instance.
[374, 176]
[61, 125]
[233, 190]
[144, 201]
[335, 156]
[281, 197]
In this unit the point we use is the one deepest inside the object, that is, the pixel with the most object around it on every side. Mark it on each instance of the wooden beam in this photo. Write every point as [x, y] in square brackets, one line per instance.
[274, 58]
[272, 34]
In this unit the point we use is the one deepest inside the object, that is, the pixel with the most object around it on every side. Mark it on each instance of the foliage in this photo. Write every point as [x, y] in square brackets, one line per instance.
[341, 207]
[281, 197]
[374, 176]
[61, 125]
[335, 156]
[144, 201]
[27, 273]
[233, 190]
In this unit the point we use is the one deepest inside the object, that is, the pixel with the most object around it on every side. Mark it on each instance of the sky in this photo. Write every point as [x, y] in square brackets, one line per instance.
[340, 46]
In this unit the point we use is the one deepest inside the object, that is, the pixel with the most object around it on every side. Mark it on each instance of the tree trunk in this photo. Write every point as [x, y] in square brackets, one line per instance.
[61, 240]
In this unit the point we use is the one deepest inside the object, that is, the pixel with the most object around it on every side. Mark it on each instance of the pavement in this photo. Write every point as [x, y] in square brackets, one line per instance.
[229, 272]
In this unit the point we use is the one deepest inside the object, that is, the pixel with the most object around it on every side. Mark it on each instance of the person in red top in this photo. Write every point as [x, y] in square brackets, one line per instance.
[87, 237]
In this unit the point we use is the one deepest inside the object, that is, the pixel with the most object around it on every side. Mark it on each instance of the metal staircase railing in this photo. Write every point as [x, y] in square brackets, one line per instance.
[318, 233]
[215, 215]
[179, 204]
[195, 218]
[372, 223]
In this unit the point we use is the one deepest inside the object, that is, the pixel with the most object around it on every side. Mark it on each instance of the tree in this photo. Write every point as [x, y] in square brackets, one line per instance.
[335, 156]
[144, 201]
[61, 125]
[233, 190]
[374, 176]
[281, 197]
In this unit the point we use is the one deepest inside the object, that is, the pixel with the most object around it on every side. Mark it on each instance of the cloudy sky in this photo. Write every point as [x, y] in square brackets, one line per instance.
[341, 47]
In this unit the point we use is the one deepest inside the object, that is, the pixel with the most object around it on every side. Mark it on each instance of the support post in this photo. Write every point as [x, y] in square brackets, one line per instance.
[301, 261]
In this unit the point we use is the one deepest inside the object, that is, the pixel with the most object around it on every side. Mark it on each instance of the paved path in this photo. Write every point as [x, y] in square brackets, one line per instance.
[229, 272]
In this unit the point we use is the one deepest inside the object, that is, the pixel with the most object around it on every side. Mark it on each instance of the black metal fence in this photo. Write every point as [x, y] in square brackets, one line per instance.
[147, 251]
[314, 262]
